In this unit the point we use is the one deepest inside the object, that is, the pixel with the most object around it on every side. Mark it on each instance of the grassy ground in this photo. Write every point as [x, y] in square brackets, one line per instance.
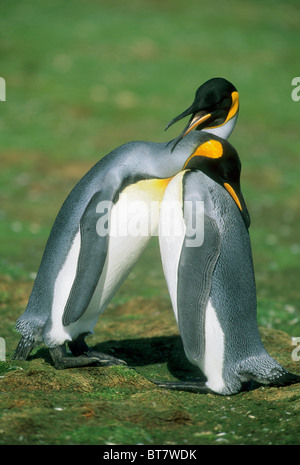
[83, 78]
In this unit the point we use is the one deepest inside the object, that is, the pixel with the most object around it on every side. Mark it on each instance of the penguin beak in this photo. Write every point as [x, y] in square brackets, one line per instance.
[237, 196]
[202, 119]
[197, 119]
[195, 116]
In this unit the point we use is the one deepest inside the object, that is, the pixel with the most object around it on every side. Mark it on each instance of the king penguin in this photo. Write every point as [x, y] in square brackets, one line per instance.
[214, 110]
[87, 256]
[207, 261]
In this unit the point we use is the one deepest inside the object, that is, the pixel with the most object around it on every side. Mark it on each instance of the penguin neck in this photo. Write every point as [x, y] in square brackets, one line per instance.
[225, 130]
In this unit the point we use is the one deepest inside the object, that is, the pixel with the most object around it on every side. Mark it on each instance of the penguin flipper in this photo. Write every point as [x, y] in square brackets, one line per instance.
[92, 255]
[194, 285]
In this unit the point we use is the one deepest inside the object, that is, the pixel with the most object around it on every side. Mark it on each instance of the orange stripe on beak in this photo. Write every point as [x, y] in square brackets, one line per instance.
[195, 122]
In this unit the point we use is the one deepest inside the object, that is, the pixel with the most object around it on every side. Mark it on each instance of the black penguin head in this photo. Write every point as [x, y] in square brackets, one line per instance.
[215, 103]
[219, 160]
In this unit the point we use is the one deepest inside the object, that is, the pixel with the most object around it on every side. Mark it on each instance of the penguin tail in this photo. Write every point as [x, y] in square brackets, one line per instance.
[267, 371]
[285, 379]
[23, 349]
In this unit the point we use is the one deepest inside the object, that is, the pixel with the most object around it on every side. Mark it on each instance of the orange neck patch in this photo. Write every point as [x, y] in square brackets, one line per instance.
[210, 149]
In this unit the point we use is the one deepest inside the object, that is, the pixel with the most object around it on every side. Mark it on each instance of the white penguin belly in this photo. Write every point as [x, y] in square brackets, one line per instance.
[212, 363]
[123, 251]
[63, 285]
[133, 221]
[171, 235]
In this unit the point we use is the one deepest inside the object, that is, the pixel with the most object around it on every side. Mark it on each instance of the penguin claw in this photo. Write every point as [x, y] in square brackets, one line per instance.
[88, 357]
[104, 359]
[189, 386]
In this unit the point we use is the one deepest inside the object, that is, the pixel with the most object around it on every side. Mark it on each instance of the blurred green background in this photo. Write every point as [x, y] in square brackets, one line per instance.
[83, 77]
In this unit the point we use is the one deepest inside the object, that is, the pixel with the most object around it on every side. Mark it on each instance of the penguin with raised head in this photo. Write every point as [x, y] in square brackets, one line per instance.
[87, 256]
[214, 110]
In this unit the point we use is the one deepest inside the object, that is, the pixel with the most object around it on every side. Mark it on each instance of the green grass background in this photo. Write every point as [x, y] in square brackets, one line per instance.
[83, 77]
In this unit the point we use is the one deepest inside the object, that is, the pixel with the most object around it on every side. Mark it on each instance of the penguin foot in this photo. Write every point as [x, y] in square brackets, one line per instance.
[104, 359]
[63, 360]
[189, 386]
[79, 348]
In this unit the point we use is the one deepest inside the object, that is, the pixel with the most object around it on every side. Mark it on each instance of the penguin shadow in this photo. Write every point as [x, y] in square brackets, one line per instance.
[142, 352]
[157, 350]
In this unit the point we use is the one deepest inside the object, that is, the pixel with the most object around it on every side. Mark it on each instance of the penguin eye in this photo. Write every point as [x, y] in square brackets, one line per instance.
[227, 175]
[211, 100]
[219, 103]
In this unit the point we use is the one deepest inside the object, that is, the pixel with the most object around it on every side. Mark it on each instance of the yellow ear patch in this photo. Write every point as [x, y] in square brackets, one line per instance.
[210, 149]
[233, 194]
[234, 105]
[233, 109]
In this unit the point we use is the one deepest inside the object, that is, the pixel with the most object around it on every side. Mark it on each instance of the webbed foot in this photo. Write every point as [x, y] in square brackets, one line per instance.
[81, 356]
[190, 386]
[63, 360]
[104, 359]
